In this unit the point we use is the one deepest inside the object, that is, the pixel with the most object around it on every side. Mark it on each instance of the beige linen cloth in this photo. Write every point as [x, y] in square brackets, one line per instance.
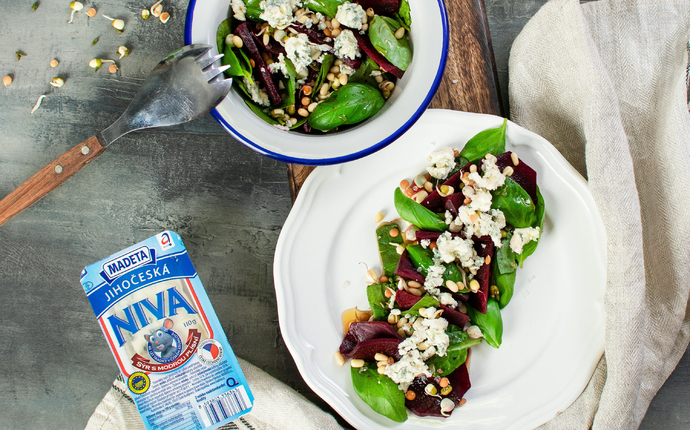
[605, 82]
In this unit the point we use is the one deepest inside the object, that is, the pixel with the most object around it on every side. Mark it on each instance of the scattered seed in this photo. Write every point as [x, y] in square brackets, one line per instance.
[164, 17]
[76, 7]
[393, 319]
[327, 32]
[38, 104]
[514, 158]
[429, 187]
[303, 112]
[19, 55]
[91, 12]
[324, 89]
[145, 13]
[339, 359]
[410, 395]
[452, 286]
[370, 12]
[401, 322]
[123, 51]
[420, 196]
[95, 41]
[54, 63]
[430, 389]
[381, 370]
[157, 8]
[379, 217]
[474, 285]
[57, 82]
[112, 68]
[414, 284]
[447, 405]
[378, 79]
[394, 232]
[462, 401]
[473, 168]
[312, 106]
[7, 80]
[383, 279]
[365, 27]
[508, 171]
[335, 23]
[34, 7]
[118, 24]
[388, 293]
[357, 363]
[400, 33]
[443, 382]
[253, 64]
[335, 32]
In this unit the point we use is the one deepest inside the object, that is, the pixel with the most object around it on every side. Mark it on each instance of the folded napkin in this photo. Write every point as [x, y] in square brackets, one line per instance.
[276, 407]
[605, 82]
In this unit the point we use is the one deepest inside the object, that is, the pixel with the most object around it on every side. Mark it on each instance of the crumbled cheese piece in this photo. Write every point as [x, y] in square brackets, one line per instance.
[434, 276]
[481, 200]
[522, 236]
[403, 371]
[425, 243]
[279, 65]
[474, 332]
[492, 178]
[479, 223]
[456, 248]
[350, 15]
[345, 69]
[444, 162]
[298, 50]
[391, 303]
[259, 96]
[278, 13]
[345, 45]
[395, 312]
[239, 9]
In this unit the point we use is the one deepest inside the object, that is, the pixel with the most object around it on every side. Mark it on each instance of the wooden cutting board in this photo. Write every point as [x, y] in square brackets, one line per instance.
[469, 83]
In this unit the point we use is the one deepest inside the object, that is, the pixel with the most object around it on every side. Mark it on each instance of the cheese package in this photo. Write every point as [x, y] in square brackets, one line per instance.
[165, 336]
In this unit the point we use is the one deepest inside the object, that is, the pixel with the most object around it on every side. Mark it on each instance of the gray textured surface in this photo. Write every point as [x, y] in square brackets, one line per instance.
[227, 202]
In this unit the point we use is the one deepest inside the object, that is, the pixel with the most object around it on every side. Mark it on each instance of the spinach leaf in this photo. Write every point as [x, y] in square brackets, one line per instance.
[505, 257]
[326, 7]
[426, 301]
[388, 247]
[291, 85]
[416, 214]
[258, 110]
[530, 247]
[326, 64]
[404, 14]
[223, 30]
[377, 301]
[363, 74]
[492, 141]
[237, 68]
[460, 162]
[382, 35]
[253, 10]
[490, 323]
[456, 354]
[351, 104]
[300, 122]
[506, 286]
[515, 203]
[379, 392]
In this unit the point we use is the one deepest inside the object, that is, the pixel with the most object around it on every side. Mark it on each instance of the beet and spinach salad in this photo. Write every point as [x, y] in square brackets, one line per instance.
[315, 64]
[449, 267]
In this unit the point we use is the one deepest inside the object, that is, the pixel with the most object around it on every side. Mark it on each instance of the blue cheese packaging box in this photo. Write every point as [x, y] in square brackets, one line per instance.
[165, 336]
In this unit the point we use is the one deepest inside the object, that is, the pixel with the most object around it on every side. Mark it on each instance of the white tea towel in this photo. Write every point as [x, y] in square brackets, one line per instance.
[605, 82]
[276, 407]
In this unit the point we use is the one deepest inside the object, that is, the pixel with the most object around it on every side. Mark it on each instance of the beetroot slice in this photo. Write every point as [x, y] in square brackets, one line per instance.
[366, 46]
[424, 405]
[381, 7]
[273, 48]
[433, 235]
[367, 349]
[406, 269]
[247, 37]
[524, 175]
[405, 300]
[484, 247]
[313, 35]
[453, 202]
[434, 202]
[360, 332]
[454, 317]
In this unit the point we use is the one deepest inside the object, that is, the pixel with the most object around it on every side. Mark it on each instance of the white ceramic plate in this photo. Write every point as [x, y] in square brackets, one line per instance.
[412, 95]
[553, 328]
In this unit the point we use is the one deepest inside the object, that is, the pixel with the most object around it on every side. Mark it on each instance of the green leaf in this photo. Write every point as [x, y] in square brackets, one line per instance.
[351, 104]
[326, 7]
[378, 301]
[490, 323]
[382, 35]
[505, 257]
[291, 86]
[456, 354]
[404, 13]
[506, 287]
[253, 10]
[379, 392]
[258, 110]
[416, 214]
[363, 74]
[423, 259]
[230, 59]
[426, 301]
[515, 204]
[388, 250]
[326, 64]
[530, 247]
[492, 141]
[224, 29]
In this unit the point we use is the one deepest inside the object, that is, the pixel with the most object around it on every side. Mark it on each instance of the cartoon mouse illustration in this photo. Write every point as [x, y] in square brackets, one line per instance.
[161, 341]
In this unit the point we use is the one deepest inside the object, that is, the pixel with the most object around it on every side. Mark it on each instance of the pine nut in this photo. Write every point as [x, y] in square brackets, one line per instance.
[508, 171]
[388, 293]
[379, 217]
[415, 292]
[327, 32]
[370, 12]
[335, 69]
[253, 64]
[382, 363]
[302, 19]
[487, 260]
[343, 79]
[378, 79]
[330, 77]
[452, 286]
[381, 357]
[266, 39]
[401, 322]
[357, 363]
[339, 359]
[474, 285]
[414, 284]
[237, 41]
[400, 33]
[514, 158]
[365, 27]
[338, 62]
[393, 319]
[335, 32]
[383, 279]
[421, 196]
[324, 89]
[473, 168]
[305, 101]
[429, 187]
[462, 401]
[381, 370]
[303, 112]
[335, 23]
[312, 106]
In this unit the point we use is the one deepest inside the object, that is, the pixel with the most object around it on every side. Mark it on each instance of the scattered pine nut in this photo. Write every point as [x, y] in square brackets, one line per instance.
[508, 171]
[145, 13]
[473, 168]
[339, 359]
[7, 80]
[357, 363]
[514, 158]
[400, 33]
[164, 17]
[91, 12]
[474, 285]
[303, 112]
[57, 82]
[379, 217]
[54, 63]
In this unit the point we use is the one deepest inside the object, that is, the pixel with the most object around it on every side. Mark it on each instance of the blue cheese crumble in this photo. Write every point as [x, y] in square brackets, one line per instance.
[239, 9]
[350, 15]
[278, 13]
[522, 236]
[259, 96]
[443, 162]
[345, 45]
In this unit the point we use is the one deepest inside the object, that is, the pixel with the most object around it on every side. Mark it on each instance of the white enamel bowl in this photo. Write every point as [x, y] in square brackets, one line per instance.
[412, 95]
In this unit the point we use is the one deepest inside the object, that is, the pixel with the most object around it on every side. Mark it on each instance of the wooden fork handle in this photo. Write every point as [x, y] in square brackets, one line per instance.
[50, 177]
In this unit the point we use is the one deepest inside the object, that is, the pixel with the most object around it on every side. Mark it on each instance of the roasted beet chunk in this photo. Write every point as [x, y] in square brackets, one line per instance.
[454, 317]
[405, 300]
[381, 7]
[425, 405]
[406, 269]
[434, 202]
[365, 339]
[485, 247]
[524, 175]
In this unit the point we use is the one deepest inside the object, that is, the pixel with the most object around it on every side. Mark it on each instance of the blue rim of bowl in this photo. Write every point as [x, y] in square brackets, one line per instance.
[345, 158]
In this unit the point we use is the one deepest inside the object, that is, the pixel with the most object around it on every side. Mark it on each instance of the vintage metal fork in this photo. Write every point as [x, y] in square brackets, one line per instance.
[184, 86]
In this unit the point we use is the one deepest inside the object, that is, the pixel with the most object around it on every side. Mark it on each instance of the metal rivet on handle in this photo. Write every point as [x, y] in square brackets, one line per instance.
[58, 169]
[85, 150]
